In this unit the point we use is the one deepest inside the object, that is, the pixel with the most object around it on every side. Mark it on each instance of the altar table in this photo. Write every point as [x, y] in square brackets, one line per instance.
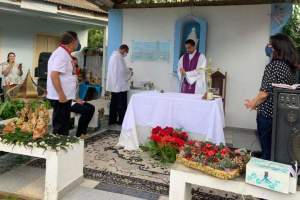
[202, 119]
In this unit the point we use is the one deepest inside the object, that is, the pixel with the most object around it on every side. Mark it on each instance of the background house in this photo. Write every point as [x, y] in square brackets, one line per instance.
[235, 41]
[31, 27]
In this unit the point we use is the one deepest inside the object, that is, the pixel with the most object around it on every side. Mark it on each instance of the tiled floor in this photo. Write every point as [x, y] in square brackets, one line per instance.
[30, 182]
[25, 181]
[84, 193]
[242, 138]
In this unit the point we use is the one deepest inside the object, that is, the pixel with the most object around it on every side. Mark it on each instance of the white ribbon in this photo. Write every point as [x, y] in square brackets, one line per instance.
[295, 172]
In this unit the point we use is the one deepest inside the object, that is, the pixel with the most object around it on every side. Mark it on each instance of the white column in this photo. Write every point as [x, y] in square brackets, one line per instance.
[51, 179]
[179, 189]
[104, 60]
[62, 170]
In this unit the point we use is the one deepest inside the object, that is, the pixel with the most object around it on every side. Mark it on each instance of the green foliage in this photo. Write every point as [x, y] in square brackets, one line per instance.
[168, 154]
[49, 142]
[17, 137]
[165, 154]
[9, 109]
[36, 103]
[11, 198]
[292, 28]
[226, 163]
[95, 38]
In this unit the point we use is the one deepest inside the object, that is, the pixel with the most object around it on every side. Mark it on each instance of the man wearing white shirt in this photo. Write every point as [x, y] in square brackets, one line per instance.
[118, 76]
[62, 82]
[191, 70]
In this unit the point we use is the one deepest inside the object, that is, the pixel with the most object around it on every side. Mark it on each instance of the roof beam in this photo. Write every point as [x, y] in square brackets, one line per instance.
[191, 3]
[103, 4]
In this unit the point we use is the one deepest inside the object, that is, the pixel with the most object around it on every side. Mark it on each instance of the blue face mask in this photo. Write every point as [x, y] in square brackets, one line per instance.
[269, 51]
[78, 46]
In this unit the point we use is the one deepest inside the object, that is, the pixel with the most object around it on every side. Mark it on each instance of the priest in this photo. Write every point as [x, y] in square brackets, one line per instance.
[191, 70]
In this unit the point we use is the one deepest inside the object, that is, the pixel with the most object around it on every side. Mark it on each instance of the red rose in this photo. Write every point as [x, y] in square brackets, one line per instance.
[164, 133]
[211, 153]
[166, 139]
[204, 149]
[183, 135]
[191, 142]
[225, 151]
[172, 140]
[167, 131]
[156, 130]
[179, 142]
[208, 145]
[156, 138]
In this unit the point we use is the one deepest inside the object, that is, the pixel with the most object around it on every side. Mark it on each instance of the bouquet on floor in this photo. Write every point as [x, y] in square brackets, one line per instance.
[165, 143]
[216, 160]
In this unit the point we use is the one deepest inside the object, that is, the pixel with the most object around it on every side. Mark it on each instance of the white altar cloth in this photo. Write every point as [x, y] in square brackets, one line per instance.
[203, 119]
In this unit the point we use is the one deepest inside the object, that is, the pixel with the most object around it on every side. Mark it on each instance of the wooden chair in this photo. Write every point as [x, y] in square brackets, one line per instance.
[219, 81]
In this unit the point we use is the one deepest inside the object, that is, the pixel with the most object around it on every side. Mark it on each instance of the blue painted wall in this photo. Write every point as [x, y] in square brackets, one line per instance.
[115, 30]
[182, 29]
[281, 12]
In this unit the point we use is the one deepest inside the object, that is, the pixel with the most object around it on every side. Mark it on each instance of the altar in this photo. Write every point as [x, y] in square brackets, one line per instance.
[202, 119]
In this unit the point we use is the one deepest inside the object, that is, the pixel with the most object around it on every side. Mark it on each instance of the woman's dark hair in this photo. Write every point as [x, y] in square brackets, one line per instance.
[284, 49]
[68, 37]
[191, 42]
[10, 53]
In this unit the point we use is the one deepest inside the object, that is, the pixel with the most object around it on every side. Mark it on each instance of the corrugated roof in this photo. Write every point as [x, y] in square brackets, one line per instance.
[81, 4]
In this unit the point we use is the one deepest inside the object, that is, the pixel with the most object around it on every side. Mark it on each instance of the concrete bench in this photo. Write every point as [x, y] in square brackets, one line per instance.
[101, 105]
[182, 179]
[64, 170]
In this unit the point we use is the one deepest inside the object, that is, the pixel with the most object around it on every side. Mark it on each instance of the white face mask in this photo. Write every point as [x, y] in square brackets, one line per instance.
[124, 55]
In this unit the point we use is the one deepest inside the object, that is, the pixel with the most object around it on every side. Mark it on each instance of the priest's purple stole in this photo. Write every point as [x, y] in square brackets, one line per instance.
[189, 65]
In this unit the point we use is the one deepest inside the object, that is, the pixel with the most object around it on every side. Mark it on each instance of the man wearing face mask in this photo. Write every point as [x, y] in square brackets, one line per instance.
[118, 76]
[62, 82]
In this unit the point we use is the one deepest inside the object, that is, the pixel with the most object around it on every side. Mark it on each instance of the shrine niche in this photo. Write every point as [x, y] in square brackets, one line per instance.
[189, 27]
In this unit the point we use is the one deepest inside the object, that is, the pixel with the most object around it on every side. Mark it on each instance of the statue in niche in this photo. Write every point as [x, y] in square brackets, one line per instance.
[193, 36]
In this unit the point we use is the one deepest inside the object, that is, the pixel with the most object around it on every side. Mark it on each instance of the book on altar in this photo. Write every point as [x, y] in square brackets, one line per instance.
[272, 175]
[286, 86]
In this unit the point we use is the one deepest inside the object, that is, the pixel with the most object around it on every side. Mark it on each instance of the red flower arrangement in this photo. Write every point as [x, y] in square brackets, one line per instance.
[165, 143]
[216, 156]
[169, 136]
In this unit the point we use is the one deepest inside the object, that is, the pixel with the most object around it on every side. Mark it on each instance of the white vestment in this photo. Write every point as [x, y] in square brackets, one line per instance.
[196, 75]
[118, 75]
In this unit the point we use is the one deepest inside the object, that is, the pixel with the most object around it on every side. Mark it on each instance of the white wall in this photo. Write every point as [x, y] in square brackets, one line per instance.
[236, 39]
[17, 34]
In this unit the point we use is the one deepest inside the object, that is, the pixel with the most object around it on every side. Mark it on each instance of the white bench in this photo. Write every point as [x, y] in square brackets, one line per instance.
[99, 105]
[182, 178]
[64, 170]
